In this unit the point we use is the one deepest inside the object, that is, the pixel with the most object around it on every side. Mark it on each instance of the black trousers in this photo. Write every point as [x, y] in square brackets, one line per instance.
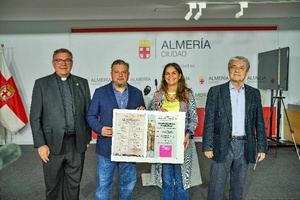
[63, 172]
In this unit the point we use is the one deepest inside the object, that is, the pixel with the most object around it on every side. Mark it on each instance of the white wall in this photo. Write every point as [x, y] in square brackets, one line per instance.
[31, 57]
[292, 39]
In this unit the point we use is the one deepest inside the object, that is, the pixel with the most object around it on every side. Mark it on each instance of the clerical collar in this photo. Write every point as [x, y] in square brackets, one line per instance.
[62, 78]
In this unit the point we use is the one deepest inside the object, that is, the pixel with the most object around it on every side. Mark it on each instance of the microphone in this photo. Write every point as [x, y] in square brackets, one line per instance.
[147, 90]
[8, 154]
[155, 81]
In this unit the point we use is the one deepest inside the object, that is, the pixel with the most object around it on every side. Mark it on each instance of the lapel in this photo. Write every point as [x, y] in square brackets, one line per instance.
[74, 84]
[112, 96]
[247, 101]
[225, 97]
[55, 92]
[129, 95]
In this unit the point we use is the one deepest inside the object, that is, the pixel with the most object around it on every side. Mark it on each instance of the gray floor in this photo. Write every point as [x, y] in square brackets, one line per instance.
[277, 178]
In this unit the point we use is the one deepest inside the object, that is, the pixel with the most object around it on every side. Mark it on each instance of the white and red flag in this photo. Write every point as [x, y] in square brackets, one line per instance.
[12, 113]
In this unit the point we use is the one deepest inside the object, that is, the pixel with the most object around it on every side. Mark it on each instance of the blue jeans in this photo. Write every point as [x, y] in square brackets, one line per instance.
[105, 173]
[234, 164]
[172, 187]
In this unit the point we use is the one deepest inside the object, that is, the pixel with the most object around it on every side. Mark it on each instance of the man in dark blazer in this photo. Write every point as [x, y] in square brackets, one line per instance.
[234, 131]
[118, 94]
[60, 131]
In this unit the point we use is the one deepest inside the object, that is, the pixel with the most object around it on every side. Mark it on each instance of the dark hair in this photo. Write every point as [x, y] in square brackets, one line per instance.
[182, 89]
[119, 62]
[242, 58]
[62, 50]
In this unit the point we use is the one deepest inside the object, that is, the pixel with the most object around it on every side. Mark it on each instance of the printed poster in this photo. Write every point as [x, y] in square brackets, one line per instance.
[148, 136]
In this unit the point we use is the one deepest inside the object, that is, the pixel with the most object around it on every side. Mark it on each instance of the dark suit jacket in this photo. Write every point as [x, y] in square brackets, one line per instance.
[47, 113]
[101, 113]
[218, 123]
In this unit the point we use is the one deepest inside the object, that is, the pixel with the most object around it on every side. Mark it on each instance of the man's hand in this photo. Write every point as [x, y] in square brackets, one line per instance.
[261, 156]
[44, 153]
[106, 131]
[141, 108]
[209, 154]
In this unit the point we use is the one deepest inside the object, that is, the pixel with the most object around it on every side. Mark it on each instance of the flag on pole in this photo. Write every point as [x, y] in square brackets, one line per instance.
[12, 113]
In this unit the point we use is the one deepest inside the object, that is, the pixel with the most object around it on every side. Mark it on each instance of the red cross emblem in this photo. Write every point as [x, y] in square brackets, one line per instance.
[201, 80]
[6, 92]
[144, 49]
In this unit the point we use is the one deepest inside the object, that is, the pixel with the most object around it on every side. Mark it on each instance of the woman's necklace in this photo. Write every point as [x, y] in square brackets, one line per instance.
[171, 96]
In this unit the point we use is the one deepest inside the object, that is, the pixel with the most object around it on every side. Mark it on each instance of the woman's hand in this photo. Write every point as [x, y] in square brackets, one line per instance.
[162, 109]
[186, 141]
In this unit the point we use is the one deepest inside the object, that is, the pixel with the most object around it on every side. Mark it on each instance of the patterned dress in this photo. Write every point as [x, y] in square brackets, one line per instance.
[191, 121]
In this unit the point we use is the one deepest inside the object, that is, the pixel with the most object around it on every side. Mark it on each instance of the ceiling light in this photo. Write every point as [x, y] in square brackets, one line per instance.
[201, 5]
[243, 4]
[190, 12]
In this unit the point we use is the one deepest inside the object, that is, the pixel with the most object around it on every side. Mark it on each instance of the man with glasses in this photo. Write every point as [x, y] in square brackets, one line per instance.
[60, 131]
[117, 94]
[234, 131]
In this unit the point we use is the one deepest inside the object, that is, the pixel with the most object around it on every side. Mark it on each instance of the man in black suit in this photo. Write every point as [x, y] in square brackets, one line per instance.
[234, 131]
[60, 131]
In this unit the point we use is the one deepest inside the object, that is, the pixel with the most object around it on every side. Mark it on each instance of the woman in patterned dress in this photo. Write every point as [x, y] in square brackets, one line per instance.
[173, 96]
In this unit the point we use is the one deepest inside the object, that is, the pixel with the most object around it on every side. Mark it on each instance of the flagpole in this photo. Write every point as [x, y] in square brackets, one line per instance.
[5, 131]
[5, 136]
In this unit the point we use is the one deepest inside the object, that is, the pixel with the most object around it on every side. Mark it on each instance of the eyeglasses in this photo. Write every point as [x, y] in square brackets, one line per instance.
[61, 61]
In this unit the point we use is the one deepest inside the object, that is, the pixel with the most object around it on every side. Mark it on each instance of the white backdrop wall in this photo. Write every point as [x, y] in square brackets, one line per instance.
[204, 63]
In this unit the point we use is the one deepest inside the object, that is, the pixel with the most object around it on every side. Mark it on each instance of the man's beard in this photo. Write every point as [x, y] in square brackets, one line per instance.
[119, 85]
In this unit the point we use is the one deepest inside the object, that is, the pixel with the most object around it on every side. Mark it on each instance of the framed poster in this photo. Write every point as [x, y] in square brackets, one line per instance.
[148, 136]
